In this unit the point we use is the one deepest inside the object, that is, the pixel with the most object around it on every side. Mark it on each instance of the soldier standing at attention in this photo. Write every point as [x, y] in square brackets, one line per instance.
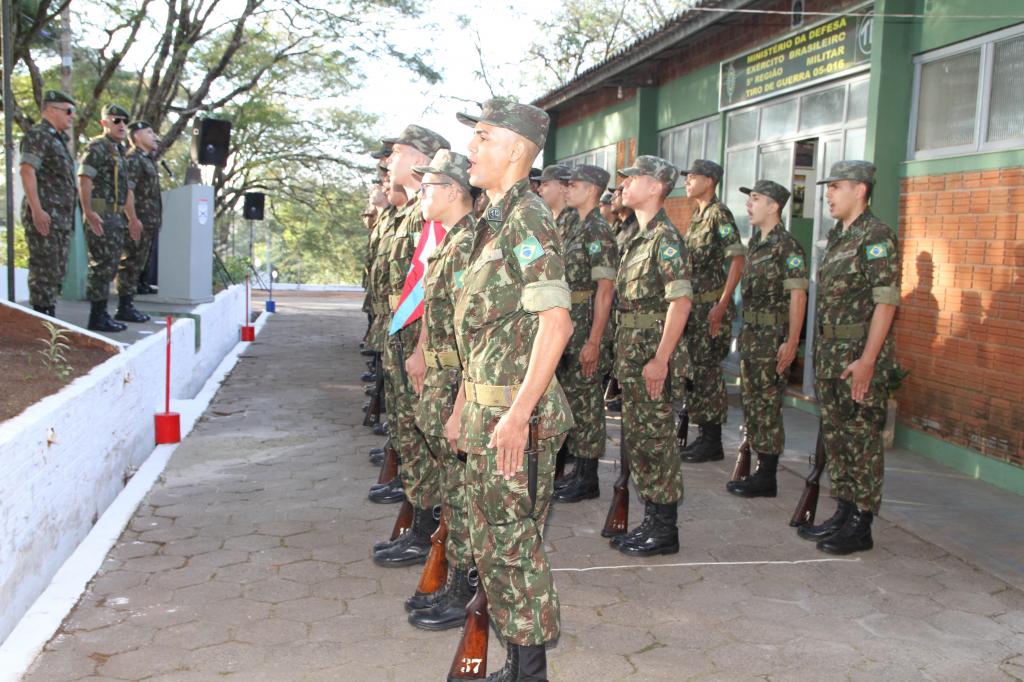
[653, 293]
[48, 209]
[554, 181]
[624, 225]
[512, 323]
[606, 207]
[590, 263]
[712, 239]
[774, 299]
[107, 197]
[435, 371]
[858, 291]
[143, 174]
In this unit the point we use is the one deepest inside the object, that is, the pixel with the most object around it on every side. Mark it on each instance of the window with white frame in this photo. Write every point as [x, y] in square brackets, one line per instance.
[685, 144]
[967, 97]
[602, 157]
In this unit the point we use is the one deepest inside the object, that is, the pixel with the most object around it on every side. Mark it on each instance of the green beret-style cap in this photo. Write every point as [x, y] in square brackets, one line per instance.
[606, 198]
[772, 190]
[522, 119]
[138, 125]
[115, 110]
[656, 167]
[57, 96]
[858, 171]
[383, 152]
[535, 174]
[708, 169]
[421, 139]
[558, 172]
[595, 175]
[450, 164]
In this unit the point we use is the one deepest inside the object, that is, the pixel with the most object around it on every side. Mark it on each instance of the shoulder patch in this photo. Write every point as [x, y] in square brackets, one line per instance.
[725, 230]
[795, 261]
[879, 250]
[668, 252]
[494, 214]
[594, 247]
[528, 251]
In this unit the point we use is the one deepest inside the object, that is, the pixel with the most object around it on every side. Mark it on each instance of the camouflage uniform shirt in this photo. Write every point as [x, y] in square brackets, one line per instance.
[566, 221]
[711, 238]
[775, 265]
[46, 150]
[145, 179]
[590, 255]
[103, 161]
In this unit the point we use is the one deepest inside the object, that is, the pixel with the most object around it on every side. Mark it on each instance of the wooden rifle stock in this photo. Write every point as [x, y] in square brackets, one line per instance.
[742, 468]
[404, 520]
[806, 508]
[617, 521]
[470, 661]
[389, 467]
[435, 571]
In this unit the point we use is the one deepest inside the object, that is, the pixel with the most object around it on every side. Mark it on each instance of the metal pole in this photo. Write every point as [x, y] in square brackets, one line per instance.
[8, 54]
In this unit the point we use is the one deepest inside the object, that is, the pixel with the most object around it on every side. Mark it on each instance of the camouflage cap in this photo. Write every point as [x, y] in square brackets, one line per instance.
[383, 152]
[419, 138]
[655, 166]
[708, 169]
[57, 96]
[772, 190]
[595, 175]
[115, 110]
[449, 164]
[522, 119]
[556, 171]
[135, 126]
[606, 198]
[858, 171]
[535, 174]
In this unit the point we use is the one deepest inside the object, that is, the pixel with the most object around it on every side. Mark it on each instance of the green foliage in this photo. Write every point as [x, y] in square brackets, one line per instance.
[896, 376]
[53, 352]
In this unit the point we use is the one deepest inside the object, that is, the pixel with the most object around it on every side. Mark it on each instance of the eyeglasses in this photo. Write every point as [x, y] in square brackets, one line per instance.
[118, 121]
[423, 186]
[70, 111]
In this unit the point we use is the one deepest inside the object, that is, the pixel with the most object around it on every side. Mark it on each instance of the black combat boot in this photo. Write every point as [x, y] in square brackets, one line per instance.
[662, 537]
[523, 664]
[387, 493]
[566, 480]
[100, 320]
[41, 309]
[830, 527]
[369, 376]
[761, 483]
[854, 536]
[645, 525]
[707, 447]
[381, 429]
[377, 456]
[143, 288]
[584, 485]
[51, 311]
[448, 611]
[424, 600]
[127, 312]
[414, 545]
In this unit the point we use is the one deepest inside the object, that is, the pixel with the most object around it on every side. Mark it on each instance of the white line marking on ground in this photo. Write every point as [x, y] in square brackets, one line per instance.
[693, 564]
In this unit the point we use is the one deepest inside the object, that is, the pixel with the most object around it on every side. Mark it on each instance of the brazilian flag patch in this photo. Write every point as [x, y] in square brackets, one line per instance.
[460, 280]
[528, 251]
[594, 247]
[879, 250]
[668, 252]
[724, 230]
[795, 262]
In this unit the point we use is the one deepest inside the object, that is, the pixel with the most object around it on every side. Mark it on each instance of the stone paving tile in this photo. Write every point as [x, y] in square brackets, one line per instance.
[250, 560]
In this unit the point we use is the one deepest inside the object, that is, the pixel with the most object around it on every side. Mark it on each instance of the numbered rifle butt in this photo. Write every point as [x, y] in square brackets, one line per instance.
[435, 571]
[470, 662]
[404, 520]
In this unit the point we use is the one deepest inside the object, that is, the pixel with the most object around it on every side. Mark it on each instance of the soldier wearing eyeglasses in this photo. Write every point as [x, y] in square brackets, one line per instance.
[48, 209]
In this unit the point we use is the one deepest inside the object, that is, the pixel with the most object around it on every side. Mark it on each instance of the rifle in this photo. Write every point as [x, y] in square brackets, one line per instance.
[389, 468]
[404, 521]
[435, 571]
[617, 521]
[742, 468]
[470, 662]
[563, 454]
[683, 428]
[400, 352]
[613, 390]
[531, 461]
[372, 417]
[803, 515]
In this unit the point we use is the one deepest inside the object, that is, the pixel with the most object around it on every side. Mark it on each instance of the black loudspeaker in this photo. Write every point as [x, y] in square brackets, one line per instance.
[253, 207]
[211, 140]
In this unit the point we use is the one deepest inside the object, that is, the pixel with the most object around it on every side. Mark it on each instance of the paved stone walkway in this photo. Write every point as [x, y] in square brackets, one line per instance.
[250, 560]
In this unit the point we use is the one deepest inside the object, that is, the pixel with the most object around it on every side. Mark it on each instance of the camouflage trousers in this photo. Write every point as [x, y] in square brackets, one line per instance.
[706, 400]
[104, 255]
[762, 389]
[853, 439]
[421, 474]
[586, 439]
[649, 437]
[47, 258]
[454, 504]
[506, 533]
[134, 258]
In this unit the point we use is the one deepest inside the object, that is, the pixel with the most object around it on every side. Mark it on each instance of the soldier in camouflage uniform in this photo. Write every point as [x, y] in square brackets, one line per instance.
[435, 370]
[712, 239]
[554, 182]
[607, 212]
[512, 323]
[774, 289]
[145, 178]
[419, 472]
[858, 291]
[48, 209]
[624, 225]
[653, 293]
[590, 263]
[107, 198]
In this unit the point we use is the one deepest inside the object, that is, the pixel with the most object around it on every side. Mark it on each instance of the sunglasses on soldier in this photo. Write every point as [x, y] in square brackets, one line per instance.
[118, 120]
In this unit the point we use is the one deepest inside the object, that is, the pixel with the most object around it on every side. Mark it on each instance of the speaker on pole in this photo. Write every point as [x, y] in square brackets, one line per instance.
[252, 209]
[211, 140]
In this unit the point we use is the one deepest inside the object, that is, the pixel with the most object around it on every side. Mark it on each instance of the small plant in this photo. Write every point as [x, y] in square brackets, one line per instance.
[896, 376]
[53, 352]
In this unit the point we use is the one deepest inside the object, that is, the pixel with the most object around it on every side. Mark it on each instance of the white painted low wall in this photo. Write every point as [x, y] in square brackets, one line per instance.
[285, 286]
[64, 459]
[20, 283]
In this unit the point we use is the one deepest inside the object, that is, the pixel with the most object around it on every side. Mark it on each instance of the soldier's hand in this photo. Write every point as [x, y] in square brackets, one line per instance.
[785, 356]
[416, 369]
[95, 223]
[451, 430]
[860, 372]
[715, 318]
[134, 229]
[655, 373]
[509, 437]
[589, 355]
[41, 221]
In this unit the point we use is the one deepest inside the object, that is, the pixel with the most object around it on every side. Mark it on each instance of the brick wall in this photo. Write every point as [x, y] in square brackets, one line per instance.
[960, 328]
